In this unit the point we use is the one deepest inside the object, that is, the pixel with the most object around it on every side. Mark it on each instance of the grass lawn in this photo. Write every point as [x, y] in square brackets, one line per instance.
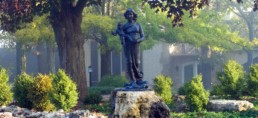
[245, 114]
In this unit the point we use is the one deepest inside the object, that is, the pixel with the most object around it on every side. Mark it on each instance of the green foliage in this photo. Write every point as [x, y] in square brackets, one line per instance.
[216, 90]
[205, 114]
[162, 86]
[252, 80]
[98, 28]
[25, 38]
[255, 102]
[39, 93]
[196, 96]
[6, 96]
[181, 90]
[112, 81]
[107, 84]
[64, 94]
[232, 79]
[21, 89]
[102, 108]
[101, 89]
[205, 30]
[93, 98]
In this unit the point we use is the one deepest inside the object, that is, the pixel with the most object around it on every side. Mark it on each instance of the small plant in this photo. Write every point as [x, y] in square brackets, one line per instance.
[103, 108]
[102, 89]
[217, 90]
[6, 96]
[39, 93]
[232, 79]
[21, 88]
[107, 84]
[93, 98]
[162, 86]
[196, 96]
[181, 90]
[252, 80]
[112, 81]
[64, 94]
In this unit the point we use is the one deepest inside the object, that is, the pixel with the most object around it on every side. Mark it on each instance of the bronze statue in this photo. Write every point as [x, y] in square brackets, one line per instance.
[131, 35]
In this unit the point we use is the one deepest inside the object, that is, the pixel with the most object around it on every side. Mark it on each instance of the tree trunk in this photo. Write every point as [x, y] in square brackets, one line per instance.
[249, 60]
[51, 58]
[205, 67]
[18, 58]
[41, 58]
[23, 60]
[106, 56]
[106, 63]
[249, 52]
[69, 38]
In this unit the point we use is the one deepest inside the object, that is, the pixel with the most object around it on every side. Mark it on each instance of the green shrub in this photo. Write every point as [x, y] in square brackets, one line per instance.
[205, 114]
[107, 84]
[181, 90]
[101, 89]
[102, 108]
[64, 94]
[162, 86]
[112, 81]
[217, 90]
[22, 84]
[252, 80]
[93, 98]
[6, 96]
[196, 96]
[39, 93]
[232, 79]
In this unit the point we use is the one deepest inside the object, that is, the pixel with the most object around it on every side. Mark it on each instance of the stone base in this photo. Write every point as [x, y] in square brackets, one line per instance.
[229, 105]
[137, 104]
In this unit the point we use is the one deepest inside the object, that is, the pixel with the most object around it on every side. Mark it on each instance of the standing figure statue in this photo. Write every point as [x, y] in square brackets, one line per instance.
[131, 35]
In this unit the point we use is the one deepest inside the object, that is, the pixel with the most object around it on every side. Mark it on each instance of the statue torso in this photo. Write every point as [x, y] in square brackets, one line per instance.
[132, 29]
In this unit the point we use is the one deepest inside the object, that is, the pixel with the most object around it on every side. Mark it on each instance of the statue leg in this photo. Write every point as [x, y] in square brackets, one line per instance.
[129, 63]
[136, 62]
[136, 66]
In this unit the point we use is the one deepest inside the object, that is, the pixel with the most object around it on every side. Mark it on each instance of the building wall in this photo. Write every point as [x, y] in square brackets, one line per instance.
[151, 62]
[158, 60]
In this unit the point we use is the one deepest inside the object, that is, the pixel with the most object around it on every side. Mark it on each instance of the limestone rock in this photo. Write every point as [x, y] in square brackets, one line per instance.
[229, 105]
[137, 104]
[179, 102]
[6, 115]
[17, 112]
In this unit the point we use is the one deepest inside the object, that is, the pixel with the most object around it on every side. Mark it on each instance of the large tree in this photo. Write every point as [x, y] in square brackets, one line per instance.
[98, 27]
[24, 42]
[65, 17]
[175, 8]
[248, 25]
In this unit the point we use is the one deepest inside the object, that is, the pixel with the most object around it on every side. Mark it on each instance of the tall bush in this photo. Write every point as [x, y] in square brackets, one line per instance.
[64, 94]
[196, 96]
[252, 80]
[6, 95]
[162, 86]
[112, 81]
[21, 89]
[39, 93]
[232, 79]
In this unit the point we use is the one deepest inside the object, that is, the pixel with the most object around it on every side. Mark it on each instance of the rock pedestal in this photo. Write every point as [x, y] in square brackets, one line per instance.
[137, 104]
[229, 105]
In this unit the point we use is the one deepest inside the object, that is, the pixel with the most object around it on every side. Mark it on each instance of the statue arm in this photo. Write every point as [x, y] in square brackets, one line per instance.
[141, 34]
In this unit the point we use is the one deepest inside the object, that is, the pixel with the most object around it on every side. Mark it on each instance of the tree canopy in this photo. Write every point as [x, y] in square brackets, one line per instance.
[175, 8]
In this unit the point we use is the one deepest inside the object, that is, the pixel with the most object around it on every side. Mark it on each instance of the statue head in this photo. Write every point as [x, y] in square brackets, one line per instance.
[130, 10]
